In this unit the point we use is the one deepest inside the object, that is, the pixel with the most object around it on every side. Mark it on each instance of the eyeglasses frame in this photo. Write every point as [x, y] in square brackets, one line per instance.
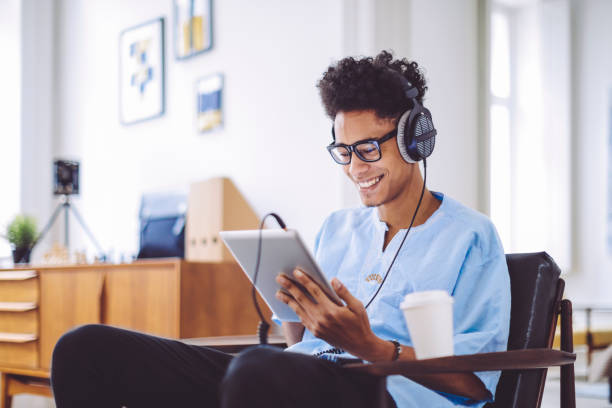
[352, 148]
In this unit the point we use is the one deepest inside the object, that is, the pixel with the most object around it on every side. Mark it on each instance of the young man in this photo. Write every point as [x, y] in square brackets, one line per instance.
[449, 247]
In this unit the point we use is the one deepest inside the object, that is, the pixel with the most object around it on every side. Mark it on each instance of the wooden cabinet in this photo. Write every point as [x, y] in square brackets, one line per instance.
[68, 298]
[170, 298]
[19, 319]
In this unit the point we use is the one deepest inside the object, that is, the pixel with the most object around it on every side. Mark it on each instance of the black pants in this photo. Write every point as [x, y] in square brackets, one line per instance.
[102, 366]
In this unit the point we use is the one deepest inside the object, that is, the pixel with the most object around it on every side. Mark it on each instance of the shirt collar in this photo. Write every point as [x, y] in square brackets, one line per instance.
[382, 226]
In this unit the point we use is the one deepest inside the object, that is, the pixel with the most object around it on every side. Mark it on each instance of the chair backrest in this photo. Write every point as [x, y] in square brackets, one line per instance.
[536, 291]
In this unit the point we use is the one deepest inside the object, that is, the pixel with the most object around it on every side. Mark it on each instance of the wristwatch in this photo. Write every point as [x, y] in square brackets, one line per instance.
[398, 350]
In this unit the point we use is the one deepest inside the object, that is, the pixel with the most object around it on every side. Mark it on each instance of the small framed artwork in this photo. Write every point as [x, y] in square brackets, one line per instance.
[192, 27]
[209, 114]
[141, 72]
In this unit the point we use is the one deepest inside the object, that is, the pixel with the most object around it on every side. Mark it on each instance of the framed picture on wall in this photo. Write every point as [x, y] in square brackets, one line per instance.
[141, 72]
[209, 113]
[192, 27]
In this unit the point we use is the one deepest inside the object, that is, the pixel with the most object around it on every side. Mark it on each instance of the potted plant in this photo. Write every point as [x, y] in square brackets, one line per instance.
[21, 234]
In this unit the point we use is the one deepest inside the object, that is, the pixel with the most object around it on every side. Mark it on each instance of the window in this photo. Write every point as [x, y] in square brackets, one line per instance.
[529, 126]
[500, 119]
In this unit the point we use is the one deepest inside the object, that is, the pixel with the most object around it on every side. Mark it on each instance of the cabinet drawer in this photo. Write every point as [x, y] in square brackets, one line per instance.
[18, 351]
[18, 286]
[19, 321]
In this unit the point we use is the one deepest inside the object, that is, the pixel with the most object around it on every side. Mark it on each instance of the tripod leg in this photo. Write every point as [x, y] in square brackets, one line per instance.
[49, 224]
[66, 230]
[89, 234]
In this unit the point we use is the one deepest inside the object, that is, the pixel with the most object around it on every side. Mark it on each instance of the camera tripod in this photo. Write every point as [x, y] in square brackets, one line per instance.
[67, 207]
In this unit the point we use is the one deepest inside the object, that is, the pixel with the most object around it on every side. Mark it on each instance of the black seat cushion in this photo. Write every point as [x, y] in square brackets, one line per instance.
[534, 279]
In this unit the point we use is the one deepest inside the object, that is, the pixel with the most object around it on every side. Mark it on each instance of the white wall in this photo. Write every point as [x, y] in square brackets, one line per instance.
[38, 109]
[10, 108]
[442, 37]
[271, 52]
[592, 76]
[444, 41]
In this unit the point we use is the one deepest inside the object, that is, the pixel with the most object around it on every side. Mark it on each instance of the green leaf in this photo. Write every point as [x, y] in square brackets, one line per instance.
[22, 231]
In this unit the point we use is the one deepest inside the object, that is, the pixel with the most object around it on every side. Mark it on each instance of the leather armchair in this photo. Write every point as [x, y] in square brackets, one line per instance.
[537, 305]
[536, 291]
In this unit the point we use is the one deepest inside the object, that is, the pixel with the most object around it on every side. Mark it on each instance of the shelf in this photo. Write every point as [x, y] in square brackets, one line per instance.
[17, 275]
[17, 306]
[17, 337]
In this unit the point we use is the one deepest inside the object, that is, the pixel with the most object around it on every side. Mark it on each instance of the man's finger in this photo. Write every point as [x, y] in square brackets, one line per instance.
[351, 301]
[295, 306]
[313, 287]
[298, 294]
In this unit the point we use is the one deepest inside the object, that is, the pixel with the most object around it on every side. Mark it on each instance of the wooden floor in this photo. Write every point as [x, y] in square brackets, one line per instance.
[588, 395]
[585, 395]
[551, 400]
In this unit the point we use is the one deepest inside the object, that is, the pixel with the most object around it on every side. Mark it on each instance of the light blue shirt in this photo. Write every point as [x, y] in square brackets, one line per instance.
[457, 250]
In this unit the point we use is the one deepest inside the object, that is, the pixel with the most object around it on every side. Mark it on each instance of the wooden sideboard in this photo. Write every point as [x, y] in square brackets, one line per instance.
[168, 297]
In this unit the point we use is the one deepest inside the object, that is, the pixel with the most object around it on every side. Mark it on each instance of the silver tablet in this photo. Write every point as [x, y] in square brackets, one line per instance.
[281, 252]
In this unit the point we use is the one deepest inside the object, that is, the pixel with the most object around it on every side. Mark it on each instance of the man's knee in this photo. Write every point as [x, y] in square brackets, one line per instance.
[70, 354]
[75, 345]
[254, 372]
[252, 362]
[75, 339]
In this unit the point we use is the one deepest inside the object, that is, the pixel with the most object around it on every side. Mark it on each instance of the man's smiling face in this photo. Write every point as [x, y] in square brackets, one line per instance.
[378, 182]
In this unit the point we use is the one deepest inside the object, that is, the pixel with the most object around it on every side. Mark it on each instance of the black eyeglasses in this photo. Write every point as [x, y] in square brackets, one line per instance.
[366, 150]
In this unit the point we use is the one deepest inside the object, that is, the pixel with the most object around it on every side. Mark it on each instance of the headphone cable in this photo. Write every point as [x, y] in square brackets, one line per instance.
[263, 327]
[336, 351]
[405, 235]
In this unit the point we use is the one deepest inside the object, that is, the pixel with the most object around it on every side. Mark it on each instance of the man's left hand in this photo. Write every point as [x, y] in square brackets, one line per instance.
[346, 327]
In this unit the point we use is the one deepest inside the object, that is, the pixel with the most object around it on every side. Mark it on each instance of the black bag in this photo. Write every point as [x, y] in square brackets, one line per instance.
[162, 225]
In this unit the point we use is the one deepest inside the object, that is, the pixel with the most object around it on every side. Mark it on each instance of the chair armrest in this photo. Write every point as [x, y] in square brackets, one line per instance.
[503, 360]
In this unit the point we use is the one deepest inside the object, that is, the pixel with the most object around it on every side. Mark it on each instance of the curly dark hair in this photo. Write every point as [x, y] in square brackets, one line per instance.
[369, 84]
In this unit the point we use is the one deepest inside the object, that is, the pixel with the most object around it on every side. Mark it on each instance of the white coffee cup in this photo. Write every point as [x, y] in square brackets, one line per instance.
[429, 316]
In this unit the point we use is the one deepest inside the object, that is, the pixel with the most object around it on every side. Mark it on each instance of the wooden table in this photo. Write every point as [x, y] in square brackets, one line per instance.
[595, 337]
[166, 297]
[235, 344]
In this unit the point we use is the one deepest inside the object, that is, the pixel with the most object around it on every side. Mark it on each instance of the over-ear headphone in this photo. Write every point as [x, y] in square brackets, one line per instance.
[416, 134]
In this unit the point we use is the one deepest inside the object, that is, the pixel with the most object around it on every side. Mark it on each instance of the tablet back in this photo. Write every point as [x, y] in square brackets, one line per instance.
[281, 252]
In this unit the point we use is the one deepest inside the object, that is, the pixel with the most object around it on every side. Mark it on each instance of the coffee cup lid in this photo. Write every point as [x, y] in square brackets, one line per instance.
[425, 297]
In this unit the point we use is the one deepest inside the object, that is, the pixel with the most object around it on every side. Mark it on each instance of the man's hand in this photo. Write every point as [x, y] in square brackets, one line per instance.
[346, 327]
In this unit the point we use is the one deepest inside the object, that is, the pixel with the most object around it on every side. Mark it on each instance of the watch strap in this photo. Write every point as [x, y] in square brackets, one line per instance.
[398, 350]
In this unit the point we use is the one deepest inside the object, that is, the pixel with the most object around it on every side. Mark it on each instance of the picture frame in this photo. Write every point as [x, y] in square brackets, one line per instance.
[193, 31]
[209, 103]
[142, 72]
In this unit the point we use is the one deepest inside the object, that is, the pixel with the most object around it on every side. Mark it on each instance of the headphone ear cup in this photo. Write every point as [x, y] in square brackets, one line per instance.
[424, 134]
[404, 136]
